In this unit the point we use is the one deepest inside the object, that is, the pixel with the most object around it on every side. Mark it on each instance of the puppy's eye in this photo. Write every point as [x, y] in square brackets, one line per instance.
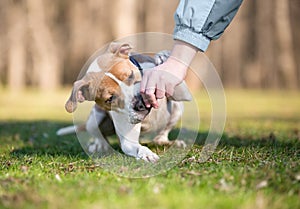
[110, 99]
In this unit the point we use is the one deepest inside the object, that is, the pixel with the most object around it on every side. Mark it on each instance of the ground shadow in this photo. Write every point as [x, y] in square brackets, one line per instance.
[239, 140]
[39, 138]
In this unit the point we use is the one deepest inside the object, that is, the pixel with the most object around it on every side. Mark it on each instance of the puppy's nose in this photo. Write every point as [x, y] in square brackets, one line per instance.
[139, 104]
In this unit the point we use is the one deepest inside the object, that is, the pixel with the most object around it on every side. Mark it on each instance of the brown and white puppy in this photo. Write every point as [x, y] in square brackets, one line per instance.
[113, 82]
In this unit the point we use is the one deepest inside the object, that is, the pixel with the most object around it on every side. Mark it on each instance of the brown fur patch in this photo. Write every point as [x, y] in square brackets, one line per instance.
[102, 88]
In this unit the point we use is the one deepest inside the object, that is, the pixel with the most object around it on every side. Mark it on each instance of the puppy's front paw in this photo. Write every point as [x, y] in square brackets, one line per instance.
[163, 140]
[147, 155]
[161, 57]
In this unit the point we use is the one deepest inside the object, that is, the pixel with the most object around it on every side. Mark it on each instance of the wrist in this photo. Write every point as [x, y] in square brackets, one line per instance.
[183, 52]
[176, 67]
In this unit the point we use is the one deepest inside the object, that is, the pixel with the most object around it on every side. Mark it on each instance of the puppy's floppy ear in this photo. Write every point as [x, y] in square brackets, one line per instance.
[120, 49]
[181, 93]
[80, 93]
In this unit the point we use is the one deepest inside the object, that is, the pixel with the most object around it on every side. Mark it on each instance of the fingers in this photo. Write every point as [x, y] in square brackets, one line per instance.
[150, 98]
[149, 95]
[155, 85]
[148, 90]
[143, 83]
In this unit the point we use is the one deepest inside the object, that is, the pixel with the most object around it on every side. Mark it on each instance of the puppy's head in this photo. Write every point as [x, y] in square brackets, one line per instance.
[113, 88]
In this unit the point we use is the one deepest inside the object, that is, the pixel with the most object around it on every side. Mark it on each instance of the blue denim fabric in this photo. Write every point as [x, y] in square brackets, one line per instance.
[200, 21]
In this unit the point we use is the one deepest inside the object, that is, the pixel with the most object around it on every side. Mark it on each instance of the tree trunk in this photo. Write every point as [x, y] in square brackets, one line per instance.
[286, 62]
[17, 51]
[124, 17]
[266, 68]
[295, 16]
[46, 58]
[233, 45]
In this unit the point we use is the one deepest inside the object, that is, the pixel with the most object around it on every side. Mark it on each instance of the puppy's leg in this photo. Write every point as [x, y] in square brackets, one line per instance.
[162, 137]
[100, 143]
[135, 149]
[129, 138]
[130, 145]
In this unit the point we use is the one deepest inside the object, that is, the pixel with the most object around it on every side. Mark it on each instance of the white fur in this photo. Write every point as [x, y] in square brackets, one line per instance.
[128, 131]
[99, 143]
[66, 130]
[114, 78]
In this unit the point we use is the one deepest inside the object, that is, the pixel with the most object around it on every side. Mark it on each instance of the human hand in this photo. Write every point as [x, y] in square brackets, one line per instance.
[161, 80]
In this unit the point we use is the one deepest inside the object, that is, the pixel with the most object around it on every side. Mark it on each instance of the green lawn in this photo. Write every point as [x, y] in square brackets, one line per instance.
[256, 165]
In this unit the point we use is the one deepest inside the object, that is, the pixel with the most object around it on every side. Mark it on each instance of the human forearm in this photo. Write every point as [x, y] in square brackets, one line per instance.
[183, 52]
[181, 57]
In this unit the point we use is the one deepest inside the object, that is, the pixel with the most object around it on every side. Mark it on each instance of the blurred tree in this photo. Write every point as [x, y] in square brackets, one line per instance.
[233, 46]
[47, 60]
[266, 67]
[45, 43]
[124, 17]
[16, 64]
[89, 27]
[286, 62]
[294, 18]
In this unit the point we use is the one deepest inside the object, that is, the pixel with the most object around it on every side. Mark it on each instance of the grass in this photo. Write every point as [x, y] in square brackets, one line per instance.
[256, 164]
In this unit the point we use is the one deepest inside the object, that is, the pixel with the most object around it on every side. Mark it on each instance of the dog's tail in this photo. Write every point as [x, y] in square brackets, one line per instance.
[70, 130]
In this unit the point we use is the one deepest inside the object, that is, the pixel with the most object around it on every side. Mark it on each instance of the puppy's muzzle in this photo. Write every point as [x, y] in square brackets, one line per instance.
[139, 105]
[139, 110]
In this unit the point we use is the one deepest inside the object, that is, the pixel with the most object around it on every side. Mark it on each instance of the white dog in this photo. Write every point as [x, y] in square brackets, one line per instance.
[113, 82]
